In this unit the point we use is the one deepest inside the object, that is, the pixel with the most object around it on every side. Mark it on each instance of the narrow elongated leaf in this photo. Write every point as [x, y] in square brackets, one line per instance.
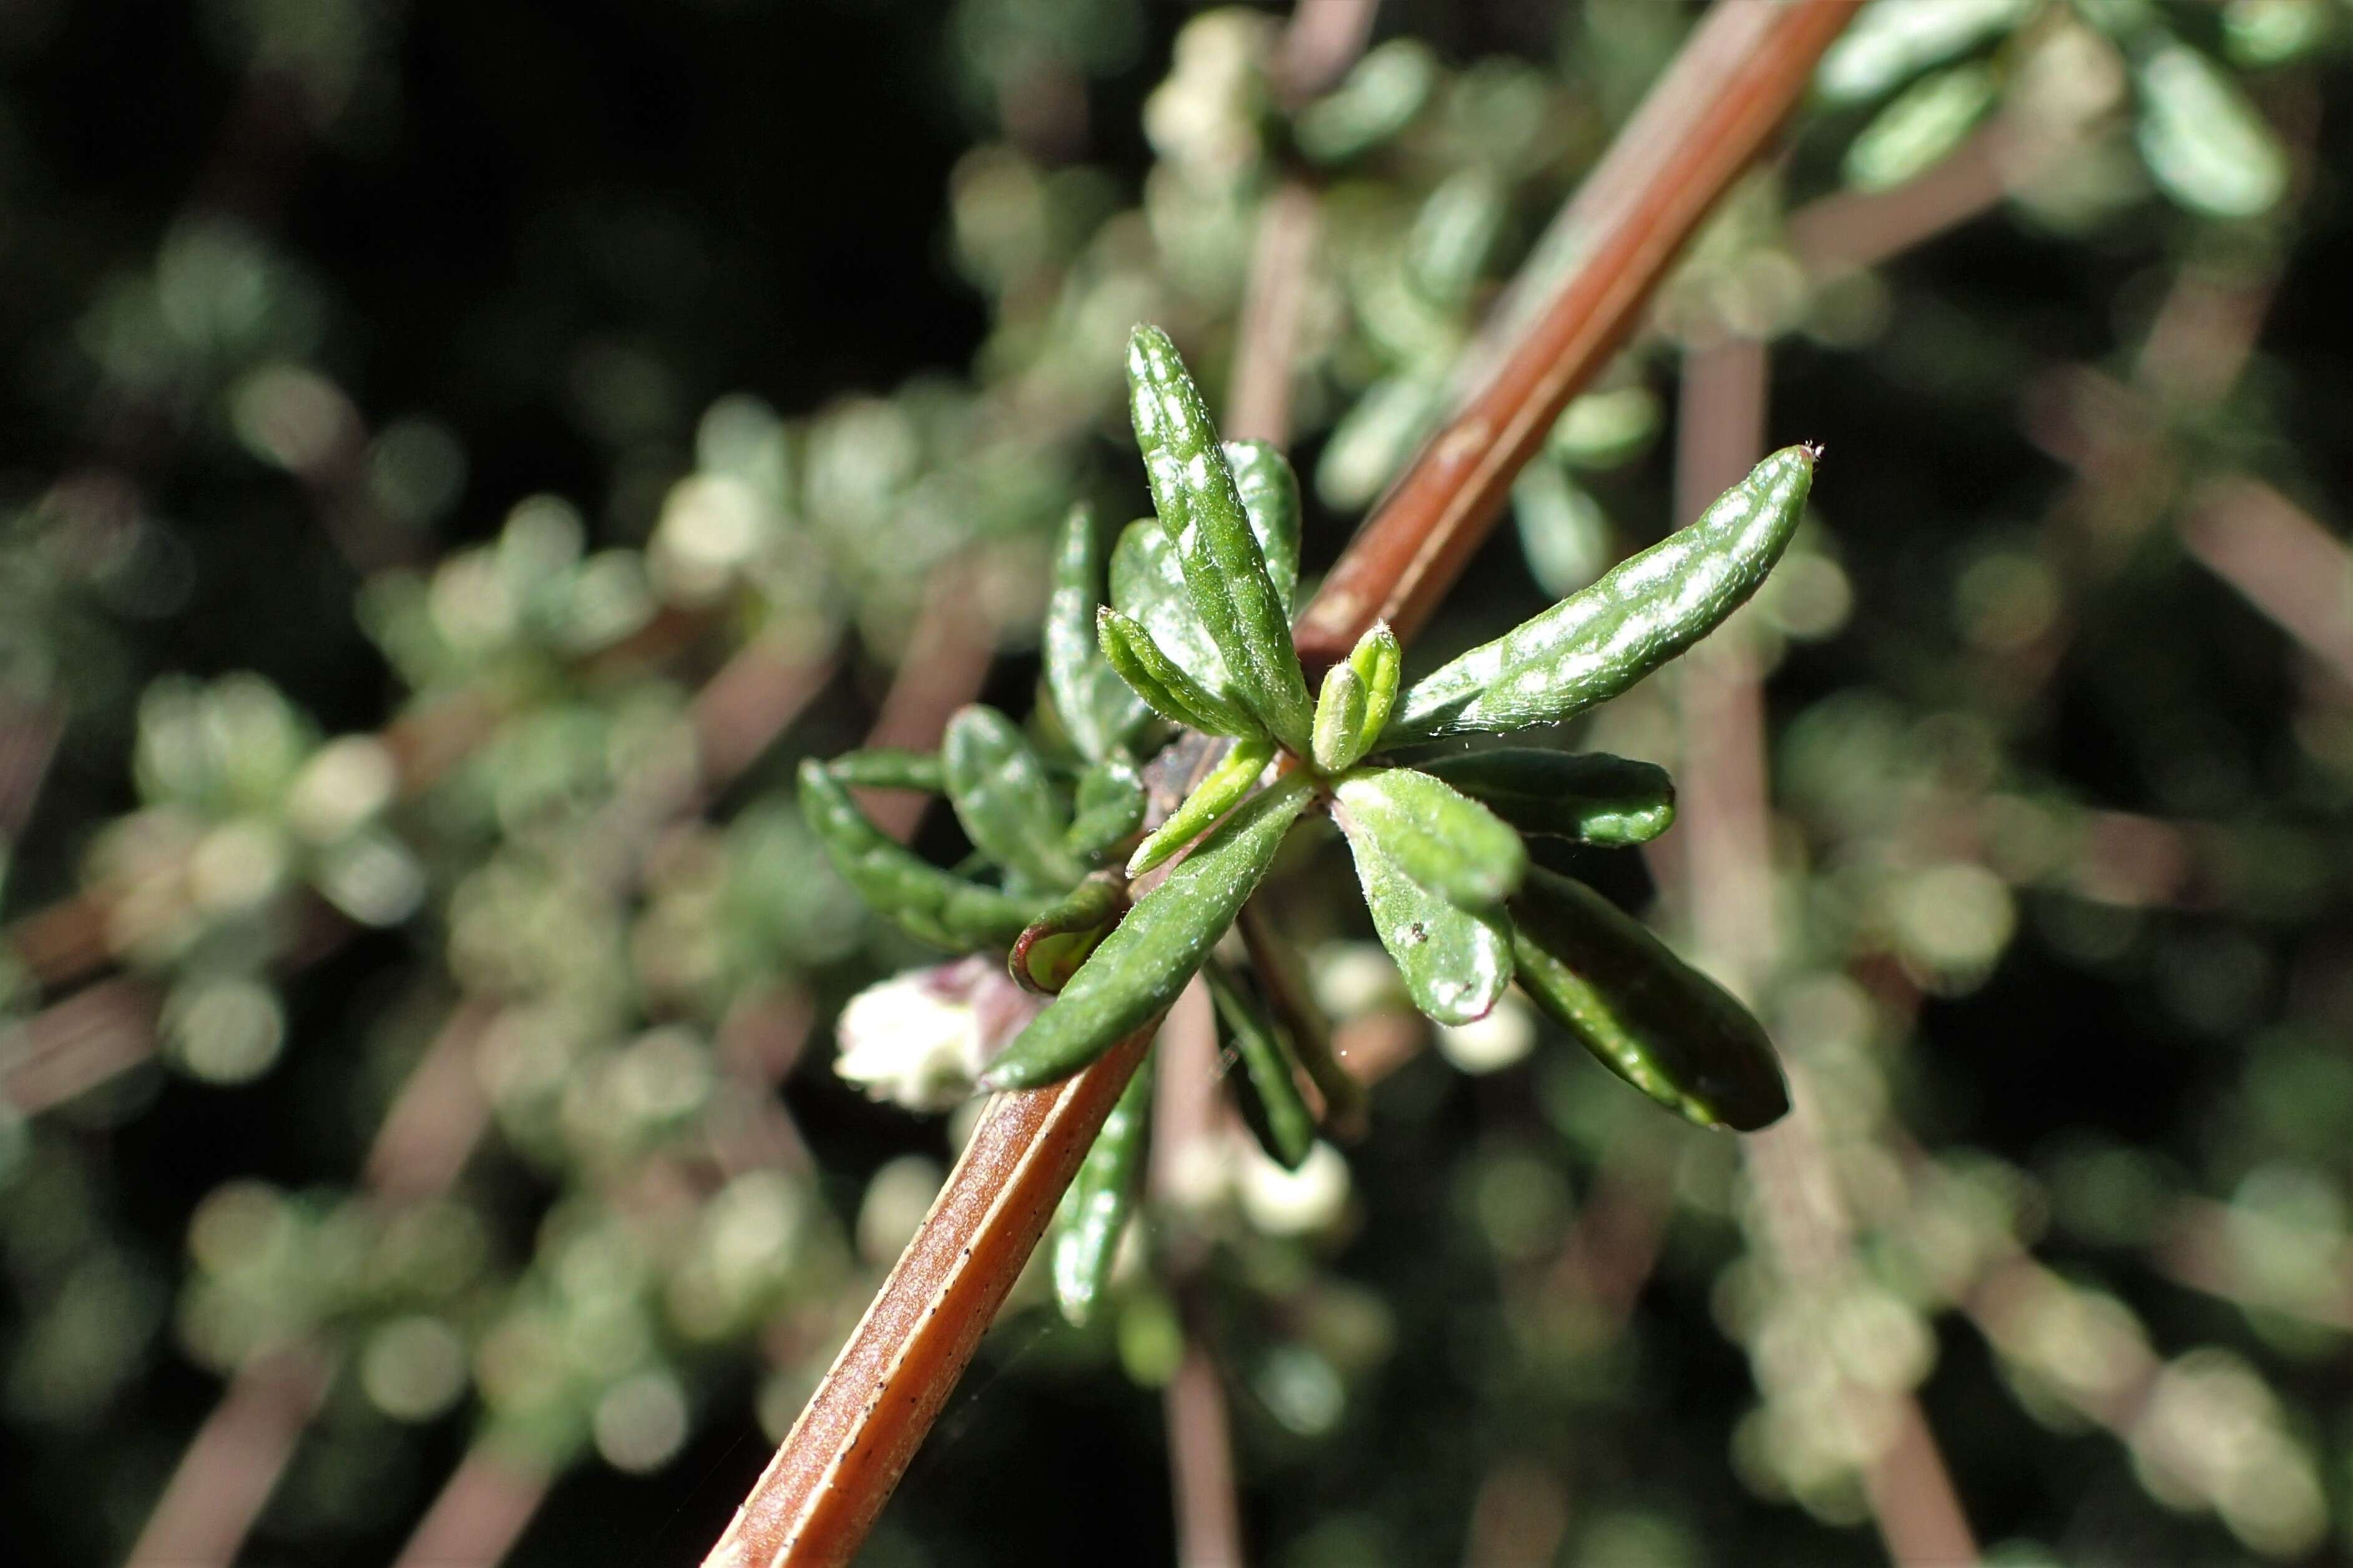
[2208, 146]
[1595, 644]
[1097, 708]
[1927, 120]
[928, 903]
[1284, 1125]
[1441, 838]
[1269, 492]
[1003, 797]
[887, 767]
[1050, 952]
[1379, 98]
[1141, 966]
[1456, 962]
[1160, 680]
[1590, 797]
[1148, 586]
[1340, 736]
[1192, 491]
[1110, 807]
[1379, 662]
[1095, 1207]
[1890, 40]
[1215, 795]
[1649, 1017]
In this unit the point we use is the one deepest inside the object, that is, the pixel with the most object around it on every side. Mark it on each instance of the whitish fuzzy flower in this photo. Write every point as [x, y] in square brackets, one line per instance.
[1294, 1202]
[919, 1039]
[1501, 1039]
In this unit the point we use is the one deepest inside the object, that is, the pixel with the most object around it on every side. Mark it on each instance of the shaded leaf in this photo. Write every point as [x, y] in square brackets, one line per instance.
[1283, 1124]
[1050, 952]
[1591, 797]
[1095, 1207]
[1650, 1018]
[1111, 805]
[888, 767]
[1008, 806]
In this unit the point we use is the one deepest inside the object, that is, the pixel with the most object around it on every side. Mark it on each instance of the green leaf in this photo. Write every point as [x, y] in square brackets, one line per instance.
[1563, 530]
[1890, 40]
[1595, 644]
[1380, 97]
[1591, 797]
[1926, 122]
[1375, 438]
[1009, 807]
[1284, 1125]
[888, 767]
[1225, 569]
[1095, 1207]
[1357, 699]
[1453, 234]
[1111, 807]
[2204, 142]
[1441, 838]
[1096, 707]
[1456, 962]
[1141, 966]
[1164, 684]
[1339, 738]
[926, 903]
[1228, 784]
[1050, 952]
[1649, 1017]
[1269, 492]
[1606, 428]
[1380, 663]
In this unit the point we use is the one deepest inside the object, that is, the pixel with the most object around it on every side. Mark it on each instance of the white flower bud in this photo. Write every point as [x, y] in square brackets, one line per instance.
[919, 1039]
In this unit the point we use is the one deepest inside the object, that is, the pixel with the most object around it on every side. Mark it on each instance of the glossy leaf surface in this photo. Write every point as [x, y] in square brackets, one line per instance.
[1435, 833]
[1157, 676]
[1595, 644]
[1097, 708]
[1650, 1018]
[1225, 569]
[1456, 962]
[1590, 797]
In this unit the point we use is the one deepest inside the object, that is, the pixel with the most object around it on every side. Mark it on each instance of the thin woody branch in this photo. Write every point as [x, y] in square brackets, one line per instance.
[1747, 65]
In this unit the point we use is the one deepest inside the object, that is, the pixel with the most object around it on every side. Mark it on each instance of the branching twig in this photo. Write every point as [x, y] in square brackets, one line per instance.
[1747, 65]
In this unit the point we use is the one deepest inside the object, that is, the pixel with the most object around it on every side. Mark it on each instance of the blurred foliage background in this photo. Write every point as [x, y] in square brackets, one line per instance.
[457, 458]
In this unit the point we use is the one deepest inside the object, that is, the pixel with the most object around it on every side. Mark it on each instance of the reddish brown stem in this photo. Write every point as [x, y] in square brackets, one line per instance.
[1746, 64]
[819, 1495]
